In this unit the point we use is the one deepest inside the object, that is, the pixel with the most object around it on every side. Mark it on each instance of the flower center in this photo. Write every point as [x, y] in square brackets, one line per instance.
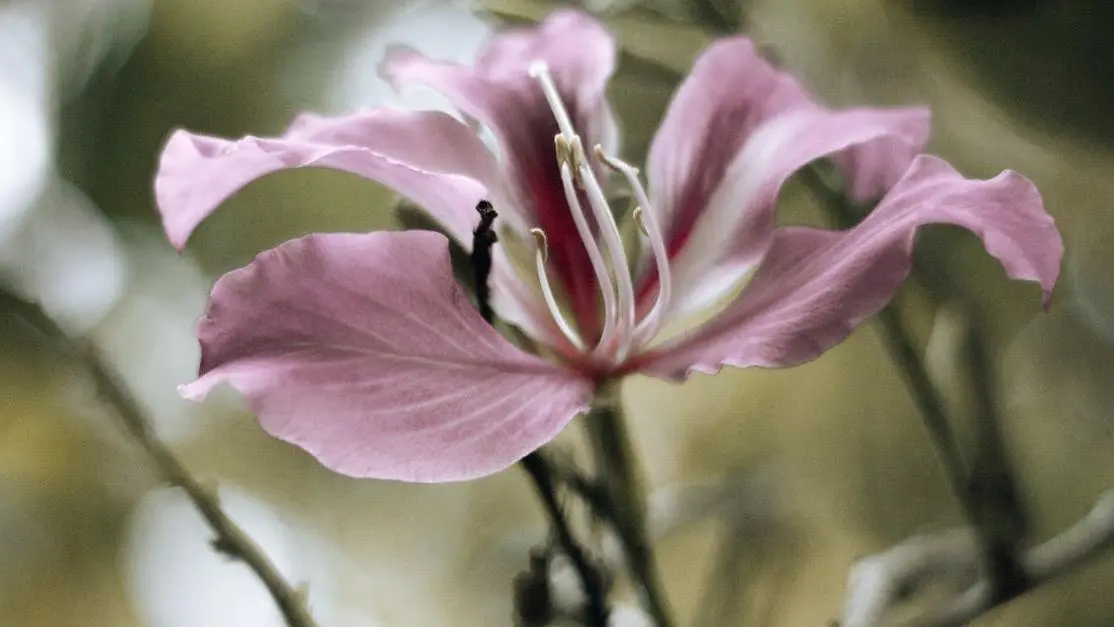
[622, 330]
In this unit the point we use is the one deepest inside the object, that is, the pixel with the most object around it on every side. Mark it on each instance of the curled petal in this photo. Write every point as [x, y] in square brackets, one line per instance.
[427, 140]
[429, 157]
[736, 130]
[363, 350]
[815, 286]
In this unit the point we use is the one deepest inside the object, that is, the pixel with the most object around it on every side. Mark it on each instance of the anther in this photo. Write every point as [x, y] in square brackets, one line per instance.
[570, 153]
[541, 255]
[639, 220]
[541, 242]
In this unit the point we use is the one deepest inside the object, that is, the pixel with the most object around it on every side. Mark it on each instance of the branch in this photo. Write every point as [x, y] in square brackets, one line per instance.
[596, 612]
[230, 539]
[878, 583]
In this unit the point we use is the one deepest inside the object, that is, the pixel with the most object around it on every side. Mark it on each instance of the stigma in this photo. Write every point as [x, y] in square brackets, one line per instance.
[623, 331]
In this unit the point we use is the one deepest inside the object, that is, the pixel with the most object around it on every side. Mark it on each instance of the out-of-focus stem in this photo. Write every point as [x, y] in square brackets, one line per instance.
[230, 538]
[709, 15]
[626, 508]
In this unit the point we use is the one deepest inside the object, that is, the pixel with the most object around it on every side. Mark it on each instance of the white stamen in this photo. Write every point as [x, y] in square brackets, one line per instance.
[648, 223]
[609, 230]
[619, 318]
[594, 255]
[539, 70]
[541, 255]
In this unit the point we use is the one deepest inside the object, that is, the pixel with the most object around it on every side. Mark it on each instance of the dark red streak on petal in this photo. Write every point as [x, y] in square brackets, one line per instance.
[536, 161]
[715, 155]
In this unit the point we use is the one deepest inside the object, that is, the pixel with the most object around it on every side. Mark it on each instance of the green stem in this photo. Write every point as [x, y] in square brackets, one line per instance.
[615, 463]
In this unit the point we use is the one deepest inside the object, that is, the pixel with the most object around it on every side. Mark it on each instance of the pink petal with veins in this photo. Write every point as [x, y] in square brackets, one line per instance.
[363, 350]
[499, 92]
[814, 287]
[735, 131]
[430, 157]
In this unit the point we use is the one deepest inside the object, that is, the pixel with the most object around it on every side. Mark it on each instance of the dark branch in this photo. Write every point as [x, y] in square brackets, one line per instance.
[596, 612]
[483, 239]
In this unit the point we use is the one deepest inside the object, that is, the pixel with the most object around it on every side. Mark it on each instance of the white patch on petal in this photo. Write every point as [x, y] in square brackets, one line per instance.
[696, 280]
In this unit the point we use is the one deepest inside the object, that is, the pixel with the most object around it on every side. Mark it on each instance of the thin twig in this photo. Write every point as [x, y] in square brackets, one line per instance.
[483, 239]
[230, 539]
[879, 582]
[596, 611]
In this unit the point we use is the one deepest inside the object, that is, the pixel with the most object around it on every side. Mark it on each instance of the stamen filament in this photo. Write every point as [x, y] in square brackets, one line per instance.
[541, 255]
[539, 70]
[594, 256]
[609, 230]
[619, 319]
[648, 223]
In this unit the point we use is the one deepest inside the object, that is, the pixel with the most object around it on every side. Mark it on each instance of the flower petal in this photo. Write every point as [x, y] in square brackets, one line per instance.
[363, 350]
[428, 140]
[499, 92]
[736, 130]
[815, 286]
[429, 157]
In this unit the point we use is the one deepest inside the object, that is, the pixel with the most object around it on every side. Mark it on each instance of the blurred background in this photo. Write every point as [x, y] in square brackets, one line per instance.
[826, 462]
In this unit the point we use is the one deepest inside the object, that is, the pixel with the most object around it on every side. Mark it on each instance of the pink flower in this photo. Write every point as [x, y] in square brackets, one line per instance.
[363, 350]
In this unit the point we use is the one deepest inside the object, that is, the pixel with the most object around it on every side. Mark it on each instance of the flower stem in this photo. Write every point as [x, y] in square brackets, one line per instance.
[626, 510]
[230, 539]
